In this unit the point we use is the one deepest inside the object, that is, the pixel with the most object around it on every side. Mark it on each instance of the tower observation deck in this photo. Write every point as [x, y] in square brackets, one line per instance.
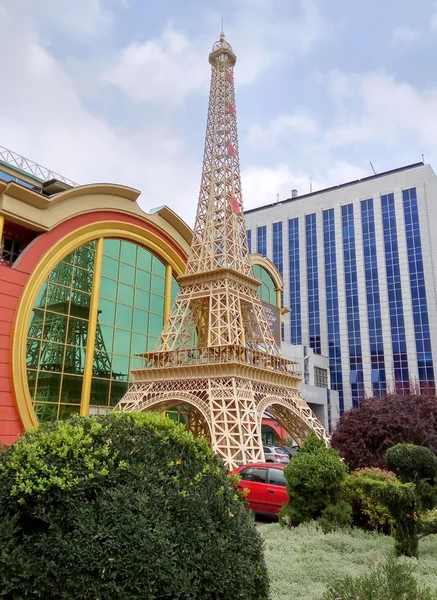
[216, 358]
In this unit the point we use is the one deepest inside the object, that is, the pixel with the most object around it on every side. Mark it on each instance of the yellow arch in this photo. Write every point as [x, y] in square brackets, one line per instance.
[73, 240]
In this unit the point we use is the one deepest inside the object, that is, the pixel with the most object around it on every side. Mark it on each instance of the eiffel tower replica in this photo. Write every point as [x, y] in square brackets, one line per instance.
[217, 353]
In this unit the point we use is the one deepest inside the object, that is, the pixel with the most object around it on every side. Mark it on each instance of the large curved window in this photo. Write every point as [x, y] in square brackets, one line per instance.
[267, 290]
[130, 317]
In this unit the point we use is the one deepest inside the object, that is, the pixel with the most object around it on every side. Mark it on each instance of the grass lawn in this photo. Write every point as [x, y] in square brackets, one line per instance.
[303, 561]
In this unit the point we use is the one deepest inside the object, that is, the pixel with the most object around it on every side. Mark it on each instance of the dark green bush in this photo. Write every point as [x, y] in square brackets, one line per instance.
[391, 580]
[314, 478]
[336, 516]
[418, 465]
[401, 500]
[124, 506]
[367, 512]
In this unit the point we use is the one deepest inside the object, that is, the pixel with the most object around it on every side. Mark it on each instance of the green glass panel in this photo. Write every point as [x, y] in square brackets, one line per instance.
[68, 411]
[127, 274]
[74, 361]
[82, 279]
[110, 267]
[140, 321]
[36, 324]
[139, 344]
[118, 390]
[120, 367]
[125, 293]
[157, 304]
[158, 267]
[144, 259]
[108, 336]
[124, 316]
[58, 298]
[174, 289]
[158, 285]
[48, 387]
[41, 298]
[111, 248]
[129, 252]
[108, 288]
[55, 327]
[99, 395]
[102, 364]
[51, 356]
[69, 259]
[77, 332]
[156, 323]
[31, 378]
[122, 341]
[142, 299]
[151, 342]
[107, 314]
[46, 413]
[33, 348]
[142, 280]
[71, 391]
[80, 304]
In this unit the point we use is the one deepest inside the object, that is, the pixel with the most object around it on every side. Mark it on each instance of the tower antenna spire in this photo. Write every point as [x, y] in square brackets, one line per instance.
[217, 353]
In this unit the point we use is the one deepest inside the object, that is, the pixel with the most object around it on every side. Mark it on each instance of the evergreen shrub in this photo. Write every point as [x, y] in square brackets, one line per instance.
[368, 512]
[123, 506]
[314, 476]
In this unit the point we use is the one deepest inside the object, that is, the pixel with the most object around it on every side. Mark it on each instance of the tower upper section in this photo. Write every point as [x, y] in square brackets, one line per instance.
[219, 240]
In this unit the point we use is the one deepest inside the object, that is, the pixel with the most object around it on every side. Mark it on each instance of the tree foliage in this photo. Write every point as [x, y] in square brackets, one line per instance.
[364, 434]
[124, 506]
[314, 476]
[367, 511]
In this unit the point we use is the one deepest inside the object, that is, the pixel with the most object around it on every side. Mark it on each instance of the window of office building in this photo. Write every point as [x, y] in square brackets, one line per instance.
[262, 240]
[332, 312]
[352, 306]
[294, 279]
[249, 239]
[320, 377]
[313, 283]
[130, 318]
[418, 290]
[378, 376]
[394, 289]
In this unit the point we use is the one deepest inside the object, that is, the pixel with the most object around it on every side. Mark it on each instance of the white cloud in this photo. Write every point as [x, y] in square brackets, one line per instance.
[404, 35]
[164, 70]
[282, 129]
[172, 66]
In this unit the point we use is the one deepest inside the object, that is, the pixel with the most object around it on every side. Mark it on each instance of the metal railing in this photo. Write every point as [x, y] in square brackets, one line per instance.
[217, 355]
[31, 168]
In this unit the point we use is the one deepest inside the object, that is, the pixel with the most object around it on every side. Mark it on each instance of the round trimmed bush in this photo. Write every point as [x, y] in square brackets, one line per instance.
[124, 506]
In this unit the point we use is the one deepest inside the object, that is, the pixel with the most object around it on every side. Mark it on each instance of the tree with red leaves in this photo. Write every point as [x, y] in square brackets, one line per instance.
[364, 434]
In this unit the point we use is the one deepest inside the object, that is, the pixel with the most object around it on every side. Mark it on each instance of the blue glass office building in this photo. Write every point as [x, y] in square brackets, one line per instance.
[360, 278]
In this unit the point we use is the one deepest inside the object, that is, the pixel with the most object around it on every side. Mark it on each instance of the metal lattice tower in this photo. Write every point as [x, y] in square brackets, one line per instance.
[217, 352]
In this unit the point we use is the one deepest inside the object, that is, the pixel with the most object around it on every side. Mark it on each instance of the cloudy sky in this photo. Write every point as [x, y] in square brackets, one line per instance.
[117, 90]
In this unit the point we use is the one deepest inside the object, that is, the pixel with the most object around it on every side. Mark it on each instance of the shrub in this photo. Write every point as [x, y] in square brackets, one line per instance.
[336, 516]
[428, 523]
[390, 580]
[368, 512]
[123, 506]
[418, 465]
[314, 477]
[401, 501]
[364, 434]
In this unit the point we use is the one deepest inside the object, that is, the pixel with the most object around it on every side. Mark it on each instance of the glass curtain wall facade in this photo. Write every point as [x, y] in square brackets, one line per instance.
[378, 317]
[373, 299]
[261, 233]
[313, 284]
[332, 312]
[267, 289]
[131, 302]
[294, 278]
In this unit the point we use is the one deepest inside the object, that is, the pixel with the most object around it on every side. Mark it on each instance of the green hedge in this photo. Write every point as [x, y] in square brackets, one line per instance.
[123, 507]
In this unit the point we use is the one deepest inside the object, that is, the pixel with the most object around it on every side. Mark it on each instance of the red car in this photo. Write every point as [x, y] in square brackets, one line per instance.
[266, 484]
